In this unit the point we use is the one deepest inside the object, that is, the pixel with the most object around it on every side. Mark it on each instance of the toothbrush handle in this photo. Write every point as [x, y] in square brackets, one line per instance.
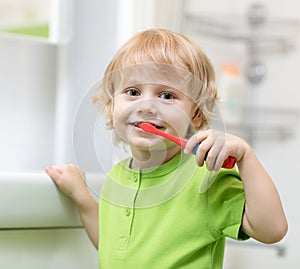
[194, 151]
[228, 163]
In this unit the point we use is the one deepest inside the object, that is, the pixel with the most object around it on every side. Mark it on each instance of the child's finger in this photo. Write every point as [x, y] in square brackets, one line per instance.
[193, 141]
[52, 172]
[215, 156]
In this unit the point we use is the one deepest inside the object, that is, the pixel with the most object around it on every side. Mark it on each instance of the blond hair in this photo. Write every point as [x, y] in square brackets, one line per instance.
[169, 48]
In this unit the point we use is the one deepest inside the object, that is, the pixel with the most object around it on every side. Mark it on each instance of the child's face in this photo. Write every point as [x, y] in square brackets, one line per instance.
[169, 109]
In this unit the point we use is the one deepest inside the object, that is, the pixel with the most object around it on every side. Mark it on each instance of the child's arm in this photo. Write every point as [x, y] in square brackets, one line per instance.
[70, 180]
[264, 217]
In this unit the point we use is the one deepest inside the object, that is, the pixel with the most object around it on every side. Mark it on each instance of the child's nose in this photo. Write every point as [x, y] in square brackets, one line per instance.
[147, 106]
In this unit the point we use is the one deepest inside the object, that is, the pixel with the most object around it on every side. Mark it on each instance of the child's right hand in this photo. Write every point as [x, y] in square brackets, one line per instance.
[70, 180]
[216, 147]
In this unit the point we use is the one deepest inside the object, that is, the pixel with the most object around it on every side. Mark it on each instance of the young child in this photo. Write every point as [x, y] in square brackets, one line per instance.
[151, 212]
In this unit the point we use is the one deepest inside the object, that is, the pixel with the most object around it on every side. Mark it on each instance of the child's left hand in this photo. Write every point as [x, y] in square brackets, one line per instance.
[217, 147]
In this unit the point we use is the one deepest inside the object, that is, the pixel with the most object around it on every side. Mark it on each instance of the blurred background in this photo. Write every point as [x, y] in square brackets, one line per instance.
[52, 55]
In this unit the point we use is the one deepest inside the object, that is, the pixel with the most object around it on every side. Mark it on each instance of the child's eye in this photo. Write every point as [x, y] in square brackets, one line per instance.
[132, 92]
[167, 95]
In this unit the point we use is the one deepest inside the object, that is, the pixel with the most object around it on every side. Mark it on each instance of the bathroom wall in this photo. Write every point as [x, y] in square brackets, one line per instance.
[92, 40]
[27, 83]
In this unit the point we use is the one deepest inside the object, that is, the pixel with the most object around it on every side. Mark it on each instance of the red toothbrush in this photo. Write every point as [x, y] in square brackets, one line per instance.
[149, 128]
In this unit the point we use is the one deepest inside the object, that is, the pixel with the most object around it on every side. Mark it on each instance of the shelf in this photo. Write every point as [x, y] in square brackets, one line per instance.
[275, 34]
[267, 124]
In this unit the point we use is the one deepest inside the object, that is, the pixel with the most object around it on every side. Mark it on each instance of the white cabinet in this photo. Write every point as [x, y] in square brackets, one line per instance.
[40, 227]
[47, 249]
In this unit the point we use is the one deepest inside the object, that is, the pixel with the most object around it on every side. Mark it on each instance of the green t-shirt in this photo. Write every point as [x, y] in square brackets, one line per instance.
[163, 218]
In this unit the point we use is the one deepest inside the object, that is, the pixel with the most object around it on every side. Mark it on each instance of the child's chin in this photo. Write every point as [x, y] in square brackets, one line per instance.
[148, 144]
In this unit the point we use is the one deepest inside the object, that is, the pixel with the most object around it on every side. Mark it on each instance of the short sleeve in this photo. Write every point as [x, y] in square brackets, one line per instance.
[226, 201]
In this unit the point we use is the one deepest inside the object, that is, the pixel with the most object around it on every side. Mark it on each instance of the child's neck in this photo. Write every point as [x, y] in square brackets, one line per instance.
[149, 159]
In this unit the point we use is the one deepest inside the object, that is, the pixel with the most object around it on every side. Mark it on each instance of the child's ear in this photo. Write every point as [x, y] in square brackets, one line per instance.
[197, 117]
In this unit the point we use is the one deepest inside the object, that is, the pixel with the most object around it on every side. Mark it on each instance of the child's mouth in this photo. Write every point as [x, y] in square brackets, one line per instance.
[138, 125]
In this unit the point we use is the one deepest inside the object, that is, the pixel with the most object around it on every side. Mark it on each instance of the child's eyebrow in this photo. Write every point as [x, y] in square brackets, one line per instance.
[139, 75]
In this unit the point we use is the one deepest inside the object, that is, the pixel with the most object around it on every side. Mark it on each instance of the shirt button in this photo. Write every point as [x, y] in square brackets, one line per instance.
[135, 178]
[128, 212]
